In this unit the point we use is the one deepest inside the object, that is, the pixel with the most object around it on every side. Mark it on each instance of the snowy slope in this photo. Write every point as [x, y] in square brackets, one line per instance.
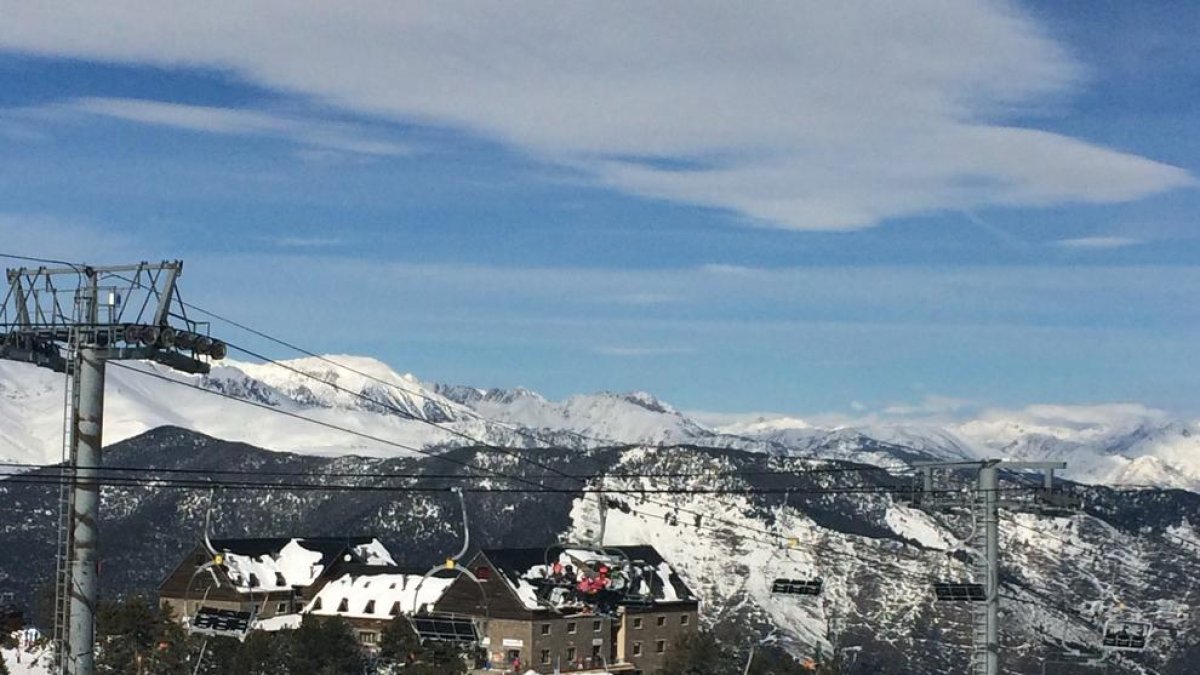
[636, 417]
[1108, 444]
[31, 401]
[1111, 444]
[374, 401]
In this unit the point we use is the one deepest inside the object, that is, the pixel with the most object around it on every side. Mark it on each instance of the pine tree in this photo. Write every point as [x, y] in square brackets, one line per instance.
[324, 647]
[3, 667]
[398, 643]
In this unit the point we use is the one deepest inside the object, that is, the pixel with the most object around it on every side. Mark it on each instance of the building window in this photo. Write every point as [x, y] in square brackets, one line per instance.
[367, 637]
[660, 646]
[483, 573]
[571, 627]
[637, 649]
[545, 629]
[545, 657]
[595, 651]
[684, 619]
[281, 608]
[395, 611]
[344, 605]
[570, 654]
[253, 580]
[317, 605]
[662, 621]
[279, 580]
[595, 626]
[637, 622]
[370, 608]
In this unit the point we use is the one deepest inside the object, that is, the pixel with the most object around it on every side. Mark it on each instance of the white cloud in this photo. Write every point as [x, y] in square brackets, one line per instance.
[803, 115]
[53, 238]
[231, 121]
[1099, 242]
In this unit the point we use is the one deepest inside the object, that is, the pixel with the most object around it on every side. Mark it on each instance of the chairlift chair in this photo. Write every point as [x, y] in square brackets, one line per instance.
[1126, 635]
[794, 586]
[440, 626]
[955, 591]
[212, 621]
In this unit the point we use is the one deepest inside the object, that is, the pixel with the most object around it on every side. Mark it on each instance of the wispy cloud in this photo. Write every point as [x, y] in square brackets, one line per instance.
[796, 115]
[1099, 242]
[327, 136]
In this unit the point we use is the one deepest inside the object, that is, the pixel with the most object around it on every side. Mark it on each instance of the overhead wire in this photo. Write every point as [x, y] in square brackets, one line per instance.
[477, 442]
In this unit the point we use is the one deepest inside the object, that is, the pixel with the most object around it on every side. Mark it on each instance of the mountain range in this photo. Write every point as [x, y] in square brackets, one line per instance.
[1131, 554]
[397, 414]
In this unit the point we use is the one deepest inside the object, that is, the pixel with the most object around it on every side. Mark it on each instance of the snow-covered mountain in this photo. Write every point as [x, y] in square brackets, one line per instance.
[1112, 444]
[1106, 444]
[365, 395]
[1130, 554]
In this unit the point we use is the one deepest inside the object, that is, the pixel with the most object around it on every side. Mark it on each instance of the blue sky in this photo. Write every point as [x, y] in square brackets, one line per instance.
[794, 208]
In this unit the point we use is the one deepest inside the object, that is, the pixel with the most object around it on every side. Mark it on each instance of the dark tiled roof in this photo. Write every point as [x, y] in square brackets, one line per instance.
[515, 563]
[363, 569]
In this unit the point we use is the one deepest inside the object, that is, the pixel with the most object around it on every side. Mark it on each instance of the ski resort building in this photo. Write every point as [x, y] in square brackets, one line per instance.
[276, 580]
[619, 609]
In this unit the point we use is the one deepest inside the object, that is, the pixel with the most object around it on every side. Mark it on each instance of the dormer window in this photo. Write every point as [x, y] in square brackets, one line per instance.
[253, 580]
[344, 605]
[317, 605]
[395, 609]
[370, 608]
[279, 580]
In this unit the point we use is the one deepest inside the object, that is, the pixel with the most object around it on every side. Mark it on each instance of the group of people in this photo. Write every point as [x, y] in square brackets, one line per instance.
[602, 584]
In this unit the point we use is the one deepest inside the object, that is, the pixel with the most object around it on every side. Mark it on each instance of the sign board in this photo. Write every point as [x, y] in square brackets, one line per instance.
[509, 642]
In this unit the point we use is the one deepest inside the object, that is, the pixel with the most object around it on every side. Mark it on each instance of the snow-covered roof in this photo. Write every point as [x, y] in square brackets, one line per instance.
[377, 593]
[647, 577]
[265, 565]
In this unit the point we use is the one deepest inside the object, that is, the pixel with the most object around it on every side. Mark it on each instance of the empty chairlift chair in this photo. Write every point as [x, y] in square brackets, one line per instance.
[437, 626]
[1125, 635]
[793, 584]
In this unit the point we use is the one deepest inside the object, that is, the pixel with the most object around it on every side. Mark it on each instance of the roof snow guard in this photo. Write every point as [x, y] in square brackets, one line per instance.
[648, 578]
[280, 564]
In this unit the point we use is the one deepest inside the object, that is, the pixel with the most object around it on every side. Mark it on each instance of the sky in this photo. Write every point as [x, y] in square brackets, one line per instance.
[800, 207]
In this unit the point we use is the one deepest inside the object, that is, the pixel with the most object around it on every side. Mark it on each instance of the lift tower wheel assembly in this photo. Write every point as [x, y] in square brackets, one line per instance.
[74, 320]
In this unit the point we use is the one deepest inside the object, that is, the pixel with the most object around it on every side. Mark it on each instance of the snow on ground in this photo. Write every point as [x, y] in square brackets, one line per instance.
[30, 657]
[916, 525]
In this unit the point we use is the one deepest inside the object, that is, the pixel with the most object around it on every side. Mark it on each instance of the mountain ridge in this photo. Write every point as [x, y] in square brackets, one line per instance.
[396, 414]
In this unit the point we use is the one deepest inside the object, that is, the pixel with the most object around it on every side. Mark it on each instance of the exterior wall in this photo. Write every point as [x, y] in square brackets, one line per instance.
[573, 643]
[639, 635]
[508, 638]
